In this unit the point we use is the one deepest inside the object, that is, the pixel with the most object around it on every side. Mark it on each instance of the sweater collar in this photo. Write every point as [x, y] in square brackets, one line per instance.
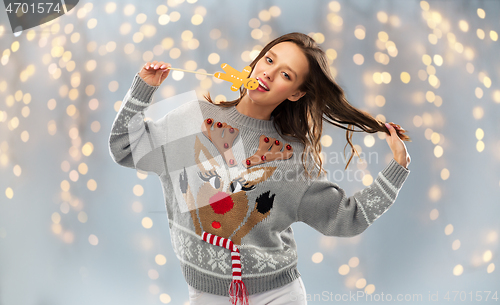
[262, 125]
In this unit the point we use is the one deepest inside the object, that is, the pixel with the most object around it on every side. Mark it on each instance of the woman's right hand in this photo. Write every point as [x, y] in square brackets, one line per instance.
[397, 145]
[154, 73]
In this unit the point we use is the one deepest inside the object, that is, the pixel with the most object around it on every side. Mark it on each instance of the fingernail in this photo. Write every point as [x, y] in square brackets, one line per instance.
[388, 125]
[162, 66]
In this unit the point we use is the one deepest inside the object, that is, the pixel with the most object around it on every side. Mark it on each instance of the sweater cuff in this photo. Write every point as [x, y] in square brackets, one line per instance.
[141, 90]
[395, 173]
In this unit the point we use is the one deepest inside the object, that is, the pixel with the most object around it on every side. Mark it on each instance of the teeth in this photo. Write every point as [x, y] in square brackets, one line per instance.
[262, 84]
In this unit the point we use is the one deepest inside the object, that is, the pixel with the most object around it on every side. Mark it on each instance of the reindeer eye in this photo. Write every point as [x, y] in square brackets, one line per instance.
[214, 182]
[212, 178]
[235, 187]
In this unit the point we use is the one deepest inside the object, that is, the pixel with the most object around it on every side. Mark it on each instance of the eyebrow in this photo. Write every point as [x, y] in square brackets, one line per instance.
[275, 55]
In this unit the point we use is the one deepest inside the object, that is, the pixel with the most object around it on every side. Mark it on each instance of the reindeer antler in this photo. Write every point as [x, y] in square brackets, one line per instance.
[263, 153]
[223, 144]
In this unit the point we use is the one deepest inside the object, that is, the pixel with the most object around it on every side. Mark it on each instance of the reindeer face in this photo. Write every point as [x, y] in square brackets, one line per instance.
[222, 201]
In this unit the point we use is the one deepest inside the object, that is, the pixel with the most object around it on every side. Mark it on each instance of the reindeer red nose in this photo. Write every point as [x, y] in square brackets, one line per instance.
[221, 203]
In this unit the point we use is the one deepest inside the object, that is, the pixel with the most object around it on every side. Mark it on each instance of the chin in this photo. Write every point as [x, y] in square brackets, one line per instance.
[254, 97]
[258, 98]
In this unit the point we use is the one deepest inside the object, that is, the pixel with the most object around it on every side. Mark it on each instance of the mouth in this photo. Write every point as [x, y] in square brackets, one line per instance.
[262, 84]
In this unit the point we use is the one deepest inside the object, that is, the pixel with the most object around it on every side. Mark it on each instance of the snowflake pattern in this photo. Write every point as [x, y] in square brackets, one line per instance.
[264, 260]
[201, 255]
[374, 201]
[289, 253]
[218, 259]
[183, 246]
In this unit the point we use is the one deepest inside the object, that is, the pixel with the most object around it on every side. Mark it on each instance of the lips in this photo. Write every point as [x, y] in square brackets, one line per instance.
[260, 80]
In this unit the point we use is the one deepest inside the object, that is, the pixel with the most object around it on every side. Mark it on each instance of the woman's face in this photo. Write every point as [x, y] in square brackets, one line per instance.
[282, 70]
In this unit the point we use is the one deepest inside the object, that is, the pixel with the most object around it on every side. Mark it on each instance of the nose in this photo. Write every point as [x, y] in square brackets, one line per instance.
[221, 203]
[267, 75]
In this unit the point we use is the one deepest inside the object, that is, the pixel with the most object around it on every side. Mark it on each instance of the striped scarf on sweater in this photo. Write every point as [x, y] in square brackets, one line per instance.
[237, 289]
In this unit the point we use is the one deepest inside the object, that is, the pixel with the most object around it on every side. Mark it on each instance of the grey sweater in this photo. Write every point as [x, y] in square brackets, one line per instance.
[233, 176]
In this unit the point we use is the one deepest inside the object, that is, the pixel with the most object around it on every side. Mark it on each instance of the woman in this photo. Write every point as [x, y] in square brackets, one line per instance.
[274, 130]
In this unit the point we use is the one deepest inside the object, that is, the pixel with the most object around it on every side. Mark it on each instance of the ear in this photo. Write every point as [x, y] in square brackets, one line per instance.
[297, 95]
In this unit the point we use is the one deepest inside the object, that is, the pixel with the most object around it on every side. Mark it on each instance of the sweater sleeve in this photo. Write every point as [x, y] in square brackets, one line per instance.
[326, 208]
[132, 142]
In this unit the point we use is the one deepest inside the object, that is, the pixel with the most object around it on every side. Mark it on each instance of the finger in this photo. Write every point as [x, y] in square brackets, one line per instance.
[146, 66]
[167, 67]
[397, 132]
[164, 75]
[160, 77]
[391, 129]
[400, 129]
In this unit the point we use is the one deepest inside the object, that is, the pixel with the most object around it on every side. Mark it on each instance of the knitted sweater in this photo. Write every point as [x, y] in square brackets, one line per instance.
[233, 176]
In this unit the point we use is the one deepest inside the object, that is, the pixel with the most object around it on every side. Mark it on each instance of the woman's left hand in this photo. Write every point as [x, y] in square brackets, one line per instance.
[397, 145]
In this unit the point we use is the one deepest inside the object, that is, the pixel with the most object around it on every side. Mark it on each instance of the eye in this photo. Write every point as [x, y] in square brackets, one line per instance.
[269, 60]
[235, 187]
[214, 182]
[212, 178]
[240, 184]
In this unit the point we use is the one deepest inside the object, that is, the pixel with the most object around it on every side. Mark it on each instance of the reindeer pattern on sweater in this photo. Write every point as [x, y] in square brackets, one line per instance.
[217, 195]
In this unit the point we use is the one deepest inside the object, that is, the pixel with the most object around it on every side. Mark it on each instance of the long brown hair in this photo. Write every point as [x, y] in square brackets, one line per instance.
[324, 101]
